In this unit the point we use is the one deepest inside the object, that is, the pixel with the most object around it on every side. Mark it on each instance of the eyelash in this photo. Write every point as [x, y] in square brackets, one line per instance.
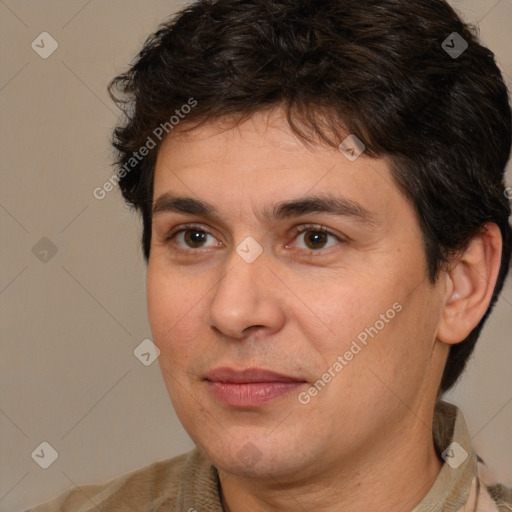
[296, 232]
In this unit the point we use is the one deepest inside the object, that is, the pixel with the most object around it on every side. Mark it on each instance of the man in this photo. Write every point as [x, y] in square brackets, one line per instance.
[326, 229]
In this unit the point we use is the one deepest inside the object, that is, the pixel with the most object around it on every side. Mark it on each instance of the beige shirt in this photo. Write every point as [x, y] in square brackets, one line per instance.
[189, 483]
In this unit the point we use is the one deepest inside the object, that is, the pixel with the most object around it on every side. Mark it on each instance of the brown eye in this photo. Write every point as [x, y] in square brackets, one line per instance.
[316, 237]
[194, 237]
[189, 237]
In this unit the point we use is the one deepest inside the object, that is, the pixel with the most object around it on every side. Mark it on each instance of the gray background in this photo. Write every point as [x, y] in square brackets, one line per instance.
[70, 323]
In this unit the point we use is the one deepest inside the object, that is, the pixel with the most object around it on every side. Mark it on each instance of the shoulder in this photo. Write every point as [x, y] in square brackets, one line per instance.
[155, 482]
[502, 496]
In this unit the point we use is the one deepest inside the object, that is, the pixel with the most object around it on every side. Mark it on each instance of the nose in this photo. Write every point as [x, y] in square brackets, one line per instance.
[247, 298]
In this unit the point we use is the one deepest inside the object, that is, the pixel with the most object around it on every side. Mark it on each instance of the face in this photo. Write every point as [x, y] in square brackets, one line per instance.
[294, 334]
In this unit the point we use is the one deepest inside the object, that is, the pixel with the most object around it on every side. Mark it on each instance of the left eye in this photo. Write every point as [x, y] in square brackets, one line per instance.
[316, 236]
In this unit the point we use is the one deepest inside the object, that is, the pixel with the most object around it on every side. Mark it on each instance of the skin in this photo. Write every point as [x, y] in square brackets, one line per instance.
[364, 442]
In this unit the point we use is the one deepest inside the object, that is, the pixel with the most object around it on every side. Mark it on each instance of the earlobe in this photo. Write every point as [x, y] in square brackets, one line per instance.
[470, 285]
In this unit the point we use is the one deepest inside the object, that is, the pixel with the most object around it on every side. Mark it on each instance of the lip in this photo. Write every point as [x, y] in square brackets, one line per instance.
[251, 387]
[248, 376]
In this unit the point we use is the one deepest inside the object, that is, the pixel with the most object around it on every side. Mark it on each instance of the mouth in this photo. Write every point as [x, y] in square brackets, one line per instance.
[249, 388]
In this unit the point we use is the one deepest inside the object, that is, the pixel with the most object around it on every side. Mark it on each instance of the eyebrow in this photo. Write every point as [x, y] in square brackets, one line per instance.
[325, 203]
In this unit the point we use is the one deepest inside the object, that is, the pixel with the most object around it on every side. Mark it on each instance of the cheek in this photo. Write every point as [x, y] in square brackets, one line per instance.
[353, 307]
[379, 324]
[159, 304]
[401, 354]
[170, 312]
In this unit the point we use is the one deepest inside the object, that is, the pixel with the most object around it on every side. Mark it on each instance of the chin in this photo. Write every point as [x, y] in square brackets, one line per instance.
[256, 457]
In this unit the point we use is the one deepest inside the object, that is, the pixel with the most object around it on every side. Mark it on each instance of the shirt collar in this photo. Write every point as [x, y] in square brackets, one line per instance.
[452, 487]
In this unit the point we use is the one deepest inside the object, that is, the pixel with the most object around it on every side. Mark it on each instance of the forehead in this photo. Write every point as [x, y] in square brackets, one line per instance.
[261, 161]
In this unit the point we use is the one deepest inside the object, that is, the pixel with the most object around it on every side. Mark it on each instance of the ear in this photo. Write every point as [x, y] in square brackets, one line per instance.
[470, 284]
